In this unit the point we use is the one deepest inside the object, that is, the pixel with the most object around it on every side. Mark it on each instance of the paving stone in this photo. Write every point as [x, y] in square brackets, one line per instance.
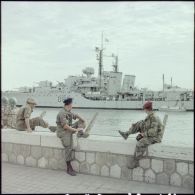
[169, 166]
[53, 163]
[95, 169]
[126, 173]
[80, 156]
[122, 160]
[4, 157]
[130, 160]
[90, 157]
[115, 171]
[38, 181]
[111, 159]
[8, 148]
[58, 153]
[36, 152]
[182, 168]
[25, 150]
[12, 158]
[188, 182]
[191, 169]
[101, 158]
[150, 176]
[138, 174]
[175, 179]
[30, 161]
[84, 167]
[75, 164]
[17, 149]
[20, 159]
[62, 164]
[43, 162]
[157, 165]
[144, 163]
[162, 178]
[47, 152]
[105, 171]
[2, 147]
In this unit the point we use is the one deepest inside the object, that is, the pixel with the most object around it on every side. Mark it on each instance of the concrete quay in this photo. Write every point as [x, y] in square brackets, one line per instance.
[101, 156]
[18, 179]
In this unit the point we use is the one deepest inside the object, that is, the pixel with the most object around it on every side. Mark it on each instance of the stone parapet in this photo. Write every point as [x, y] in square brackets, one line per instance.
[101, 155]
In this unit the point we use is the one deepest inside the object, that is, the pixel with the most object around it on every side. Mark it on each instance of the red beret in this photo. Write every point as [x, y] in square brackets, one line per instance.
[148, 105]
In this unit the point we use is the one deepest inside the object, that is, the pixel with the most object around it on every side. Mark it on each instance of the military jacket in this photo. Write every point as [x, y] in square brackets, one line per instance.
[64, 117]
[24, 112]
[153, 127]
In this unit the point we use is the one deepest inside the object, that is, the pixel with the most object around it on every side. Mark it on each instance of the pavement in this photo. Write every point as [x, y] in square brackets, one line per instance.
[21, 179]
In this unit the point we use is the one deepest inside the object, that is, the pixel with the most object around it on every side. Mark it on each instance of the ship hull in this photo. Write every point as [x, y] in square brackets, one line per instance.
[55, 100]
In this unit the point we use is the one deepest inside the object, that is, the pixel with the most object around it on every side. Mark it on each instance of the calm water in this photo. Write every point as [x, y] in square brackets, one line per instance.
[179, 129]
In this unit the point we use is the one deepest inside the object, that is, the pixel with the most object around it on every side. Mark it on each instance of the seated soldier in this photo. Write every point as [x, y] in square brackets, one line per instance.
[23, 121]
[150, 132]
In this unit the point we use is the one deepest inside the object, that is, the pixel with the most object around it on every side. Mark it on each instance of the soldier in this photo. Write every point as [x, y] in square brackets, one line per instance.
[65, 130]
[4, 111]
[23, 121]
[12, 113]
[150, 132]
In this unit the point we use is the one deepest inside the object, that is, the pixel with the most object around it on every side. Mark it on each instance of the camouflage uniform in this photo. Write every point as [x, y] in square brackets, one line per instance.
[65, 117]
[151, 128]
[25, 112]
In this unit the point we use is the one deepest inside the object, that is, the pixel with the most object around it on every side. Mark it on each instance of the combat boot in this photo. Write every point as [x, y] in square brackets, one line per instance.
[73, 171]
[70, 170]
[52, 128]
[134, 164]
[124, 134]
[82, 134]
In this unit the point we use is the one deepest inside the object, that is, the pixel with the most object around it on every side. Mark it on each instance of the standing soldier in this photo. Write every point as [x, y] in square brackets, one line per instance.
[23, 121]
[4, 111]
[150, 132]
[65, 129]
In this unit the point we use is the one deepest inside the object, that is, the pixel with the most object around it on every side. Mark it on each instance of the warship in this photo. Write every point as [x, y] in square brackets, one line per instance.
[106, 91]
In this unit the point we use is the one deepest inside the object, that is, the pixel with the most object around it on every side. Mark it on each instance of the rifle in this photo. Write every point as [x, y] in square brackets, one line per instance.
[86, 131]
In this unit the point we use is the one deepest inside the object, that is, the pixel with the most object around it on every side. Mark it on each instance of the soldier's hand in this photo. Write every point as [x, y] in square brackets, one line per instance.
[80, 129]
[29, 130]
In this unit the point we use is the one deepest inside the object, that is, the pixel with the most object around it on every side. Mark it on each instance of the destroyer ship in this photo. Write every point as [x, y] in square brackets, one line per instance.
[106, 91]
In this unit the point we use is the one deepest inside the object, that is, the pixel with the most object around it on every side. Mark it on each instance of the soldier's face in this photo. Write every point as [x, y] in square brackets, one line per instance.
[146, 111]
[69, 107]
[32, 105]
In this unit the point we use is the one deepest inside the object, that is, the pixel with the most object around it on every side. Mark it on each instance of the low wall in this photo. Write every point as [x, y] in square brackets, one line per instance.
[101, 155]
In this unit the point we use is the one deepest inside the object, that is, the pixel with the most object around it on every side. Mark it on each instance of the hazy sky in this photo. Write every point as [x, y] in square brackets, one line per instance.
[51, 40]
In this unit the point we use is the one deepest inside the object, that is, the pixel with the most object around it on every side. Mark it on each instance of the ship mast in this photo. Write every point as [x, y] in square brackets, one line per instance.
[100, 60]
[115, 65]
[163, 83]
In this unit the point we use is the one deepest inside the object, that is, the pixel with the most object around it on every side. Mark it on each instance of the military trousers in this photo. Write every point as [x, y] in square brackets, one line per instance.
[143, 143]
[141, 147]
[34, 122]
[66, 138]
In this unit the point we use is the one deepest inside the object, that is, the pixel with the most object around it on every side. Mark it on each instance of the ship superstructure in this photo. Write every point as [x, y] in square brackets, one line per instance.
[109, 90]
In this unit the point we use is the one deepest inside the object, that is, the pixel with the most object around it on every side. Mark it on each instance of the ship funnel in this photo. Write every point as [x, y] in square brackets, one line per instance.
[128, 83]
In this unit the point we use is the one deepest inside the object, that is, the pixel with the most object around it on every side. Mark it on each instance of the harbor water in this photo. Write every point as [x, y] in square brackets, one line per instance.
[179, 130]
